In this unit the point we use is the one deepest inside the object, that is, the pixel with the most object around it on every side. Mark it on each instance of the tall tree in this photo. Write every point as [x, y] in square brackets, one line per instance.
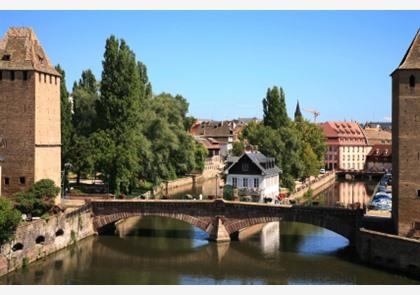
[274, 107]
[119, 107]
[66, 124]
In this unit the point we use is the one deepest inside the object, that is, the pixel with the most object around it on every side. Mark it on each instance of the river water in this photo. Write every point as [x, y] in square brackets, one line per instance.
[155, 250]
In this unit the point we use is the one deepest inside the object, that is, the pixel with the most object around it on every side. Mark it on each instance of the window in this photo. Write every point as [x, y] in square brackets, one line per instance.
[234, 182]
[245, 166]
[45, 78]
[245, 182]
[256, 182]
[25, 75]
[6, 181]
[412, 81]
[22, 180]
[12, 75]
[1, 75]
[50, 79]
[418, 193]
[6, 57]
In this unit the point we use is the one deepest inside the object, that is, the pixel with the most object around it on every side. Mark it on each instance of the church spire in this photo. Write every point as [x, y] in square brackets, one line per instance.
[298, 114]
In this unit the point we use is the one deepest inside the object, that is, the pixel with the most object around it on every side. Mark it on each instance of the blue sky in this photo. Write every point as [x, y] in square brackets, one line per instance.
[337, 62]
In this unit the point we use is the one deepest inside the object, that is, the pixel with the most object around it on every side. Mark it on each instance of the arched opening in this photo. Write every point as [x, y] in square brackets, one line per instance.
[17, 247]
[412, 81]
[40, 240]
[59, 233]
[157, 232]
[308, 239]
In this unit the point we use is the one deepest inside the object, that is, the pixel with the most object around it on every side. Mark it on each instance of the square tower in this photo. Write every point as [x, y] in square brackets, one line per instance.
[30, 126]
[406, 142]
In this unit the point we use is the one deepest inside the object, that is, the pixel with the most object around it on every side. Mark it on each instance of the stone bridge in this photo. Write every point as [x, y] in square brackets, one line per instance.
[224, 219]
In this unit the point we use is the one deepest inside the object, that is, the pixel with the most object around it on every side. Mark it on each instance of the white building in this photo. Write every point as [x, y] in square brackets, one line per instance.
[254, 174]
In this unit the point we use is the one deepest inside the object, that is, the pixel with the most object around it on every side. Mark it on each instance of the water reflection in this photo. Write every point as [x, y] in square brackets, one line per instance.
[345, 193]
[206, 188]
[165, 251]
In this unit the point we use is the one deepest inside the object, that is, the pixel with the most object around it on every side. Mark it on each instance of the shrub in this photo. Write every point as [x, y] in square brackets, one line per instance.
[9, 219]
[228, 192]
[39, 199]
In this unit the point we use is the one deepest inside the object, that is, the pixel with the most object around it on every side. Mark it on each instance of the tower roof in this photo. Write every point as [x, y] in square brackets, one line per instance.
[21, 50]
[411, 58]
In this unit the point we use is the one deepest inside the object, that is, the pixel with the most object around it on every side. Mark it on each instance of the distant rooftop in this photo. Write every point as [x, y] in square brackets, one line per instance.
[21, 50]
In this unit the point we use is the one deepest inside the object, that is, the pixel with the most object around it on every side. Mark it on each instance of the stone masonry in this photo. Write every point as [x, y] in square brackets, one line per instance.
[406, 142]
[30, 134]
[222, 219]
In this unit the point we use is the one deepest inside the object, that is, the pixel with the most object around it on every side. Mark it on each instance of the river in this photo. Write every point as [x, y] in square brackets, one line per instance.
[155, 250]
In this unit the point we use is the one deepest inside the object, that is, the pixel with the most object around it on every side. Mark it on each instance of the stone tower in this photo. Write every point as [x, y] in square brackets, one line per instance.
[30, 128]
[406, 141]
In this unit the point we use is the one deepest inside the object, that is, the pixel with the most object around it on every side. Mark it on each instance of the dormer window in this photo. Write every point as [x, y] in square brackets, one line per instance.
[412, 81]
[6, 57]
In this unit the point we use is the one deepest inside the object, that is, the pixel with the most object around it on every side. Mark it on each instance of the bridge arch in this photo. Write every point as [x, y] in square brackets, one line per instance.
[220, 219]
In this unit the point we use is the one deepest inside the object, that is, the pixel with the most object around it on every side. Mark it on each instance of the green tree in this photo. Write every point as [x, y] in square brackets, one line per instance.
[9, 219]
[66, 124]
[274, 107]
[238, 148]
[119, 106]
[85, 96]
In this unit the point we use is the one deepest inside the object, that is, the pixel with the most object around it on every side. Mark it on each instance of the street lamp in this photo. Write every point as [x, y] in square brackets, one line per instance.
[2, 158]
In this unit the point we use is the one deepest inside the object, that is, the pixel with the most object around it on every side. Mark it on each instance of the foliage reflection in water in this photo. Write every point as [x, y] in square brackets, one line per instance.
[155, 250]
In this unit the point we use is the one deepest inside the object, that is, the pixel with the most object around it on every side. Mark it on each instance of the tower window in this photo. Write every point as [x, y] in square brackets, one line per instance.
[22, 180]
[45, 78]
[412, 81]
[6, 181]
[12, 75]
[25, 75]
[6, 57]
[50, 79]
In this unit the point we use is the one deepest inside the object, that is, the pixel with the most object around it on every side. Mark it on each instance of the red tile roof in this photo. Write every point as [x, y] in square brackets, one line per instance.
[343, 133]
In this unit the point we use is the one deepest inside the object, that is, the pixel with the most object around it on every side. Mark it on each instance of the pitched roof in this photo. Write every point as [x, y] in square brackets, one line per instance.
[350, 132]
[380, 150]
[260, 160]
[411, 58]
[21, 50]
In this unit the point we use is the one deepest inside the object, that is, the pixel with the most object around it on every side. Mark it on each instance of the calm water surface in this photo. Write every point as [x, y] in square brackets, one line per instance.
[164, 251]
[156, 250]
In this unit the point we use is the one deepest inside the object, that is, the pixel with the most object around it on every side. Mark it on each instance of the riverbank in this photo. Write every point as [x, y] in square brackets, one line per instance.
[317, 185]
[39, 238]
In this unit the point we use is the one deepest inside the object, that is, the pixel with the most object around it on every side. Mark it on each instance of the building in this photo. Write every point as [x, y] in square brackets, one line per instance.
[29, 112]
[379, 158]
[346, 146]
[212, 145]
[254, 174]
[224, 132]
[387, 126]
[406, 142]
[376, 135]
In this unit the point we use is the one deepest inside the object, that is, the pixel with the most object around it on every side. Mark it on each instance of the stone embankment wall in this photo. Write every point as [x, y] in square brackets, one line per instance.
[317, 185]
[39, 238]
[389, 251]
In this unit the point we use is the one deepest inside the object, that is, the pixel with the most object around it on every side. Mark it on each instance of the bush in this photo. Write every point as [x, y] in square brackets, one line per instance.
[39, 199]
[9, 219]
[228, 192]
